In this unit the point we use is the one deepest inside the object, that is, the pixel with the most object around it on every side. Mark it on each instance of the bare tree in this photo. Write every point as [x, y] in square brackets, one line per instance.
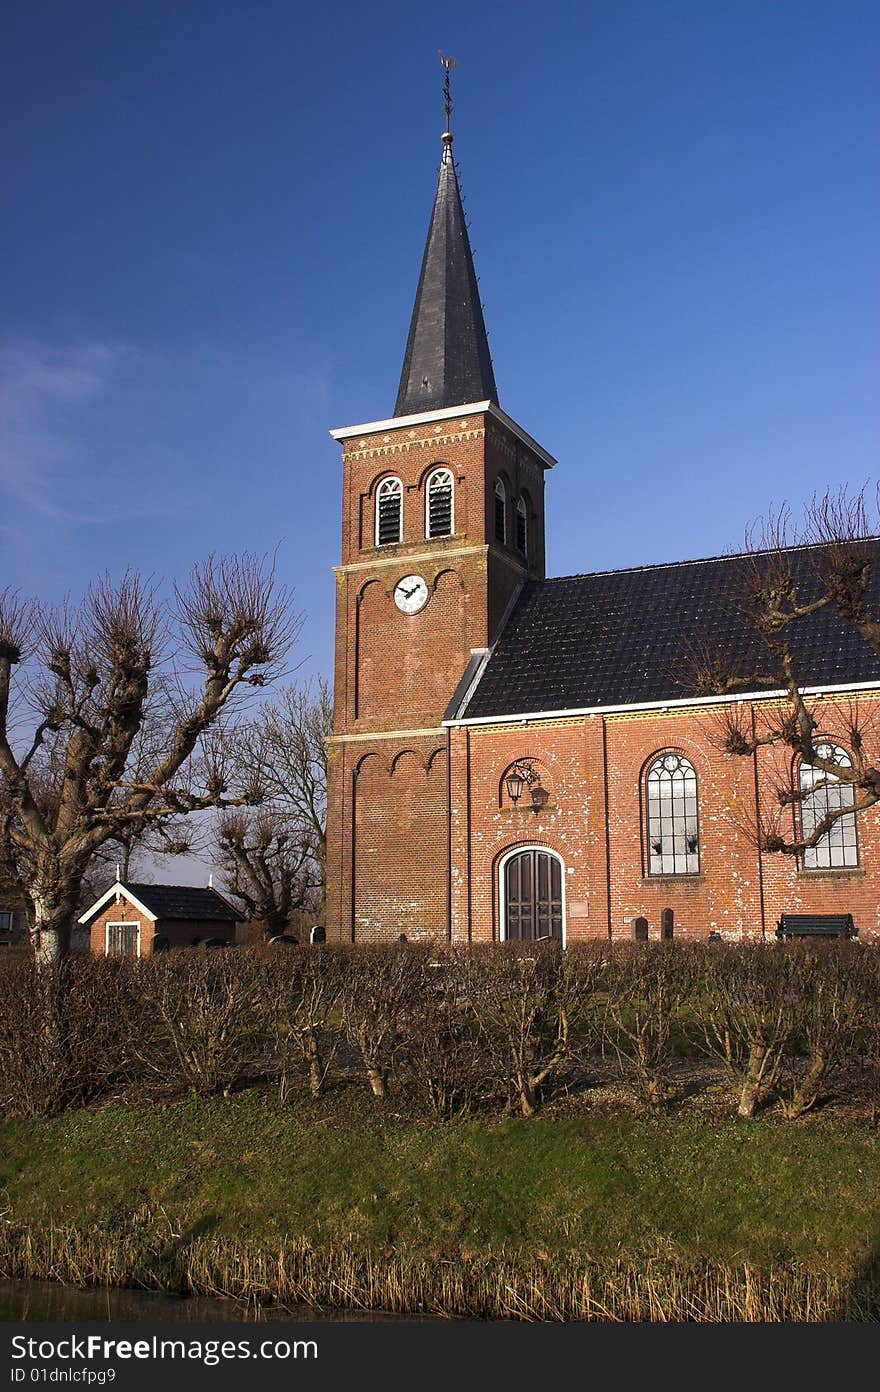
[286, 752]
[378, 989]
[779, 595]
[743, 1007]
[113, 716]
[646, 989]
[531, 1003]
[271, 866]
[305, 991]
[832, 1008]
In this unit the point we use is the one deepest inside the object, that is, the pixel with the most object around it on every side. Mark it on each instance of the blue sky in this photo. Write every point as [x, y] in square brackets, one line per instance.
[215, 214]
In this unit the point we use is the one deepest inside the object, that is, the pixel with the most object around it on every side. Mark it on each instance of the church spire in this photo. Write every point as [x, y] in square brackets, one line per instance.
[447, 360]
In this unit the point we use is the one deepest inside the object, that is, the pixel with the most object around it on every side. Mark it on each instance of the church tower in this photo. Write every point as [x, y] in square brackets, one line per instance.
[442, 522]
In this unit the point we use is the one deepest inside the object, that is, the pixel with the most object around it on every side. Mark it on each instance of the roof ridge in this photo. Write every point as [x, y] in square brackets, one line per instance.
[697, 560]
[163, 884]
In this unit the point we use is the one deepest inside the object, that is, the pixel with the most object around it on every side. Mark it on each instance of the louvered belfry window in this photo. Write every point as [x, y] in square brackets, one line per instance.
[522, 527]
[389, 512]
[440, 518]
[822, 793]
[500, 512]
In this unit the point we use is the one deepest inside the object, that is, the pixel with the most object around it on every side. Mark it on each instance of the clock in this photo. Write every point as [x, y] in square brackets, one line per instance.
[411, 594]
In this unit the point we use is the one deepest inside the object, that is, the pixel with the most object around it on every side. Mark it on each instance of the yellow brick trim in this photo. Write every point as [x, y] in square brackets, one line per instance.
[431, 733]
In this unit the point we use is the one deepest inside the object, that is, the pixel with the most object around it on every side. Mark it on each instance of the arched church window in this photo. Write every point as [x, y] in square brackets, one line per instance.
[672, 816]
[822, 793]
[440, 507]
[500, 512]
[389, 512]
[522, 527]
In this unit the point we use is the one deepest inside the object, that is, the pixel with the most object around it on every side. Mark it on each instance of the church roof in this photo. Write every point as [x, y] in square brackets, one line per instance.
[447, 360]
[624, 637]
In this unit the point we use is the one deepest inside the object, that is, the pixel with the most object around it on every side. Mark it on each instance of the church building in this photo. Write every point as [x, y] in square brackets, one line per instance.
[517, 757]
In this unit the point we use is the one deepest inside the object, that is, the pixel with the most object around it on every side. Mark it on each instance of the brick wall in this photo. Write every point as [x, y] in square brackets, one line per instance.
[179, 932]
[591, 766]
[469, 575]
[123, 912]
[387, 830]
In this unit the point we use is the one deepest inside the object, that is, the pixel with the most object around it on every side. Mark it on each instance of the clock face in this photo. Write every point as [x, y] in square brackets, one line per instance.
[411, 594]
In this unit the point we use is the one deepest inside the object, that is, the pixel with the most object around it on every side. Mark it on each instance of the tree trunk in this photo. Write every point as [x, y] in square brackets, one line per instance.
[528, 1100]
[53, 928]
[806, 1091]
[316, 1073]
[376, 1079]
[759, 1075]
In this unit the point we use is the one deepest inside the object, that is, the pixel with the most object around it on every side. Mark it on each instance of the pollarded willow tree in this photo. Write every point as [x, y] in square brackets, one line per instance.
[114, 720]
[788, 579]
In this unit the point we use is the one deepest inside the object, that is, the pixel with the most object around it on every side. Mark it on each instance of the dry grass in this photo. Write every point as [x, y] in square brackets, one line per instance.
[490, 1287]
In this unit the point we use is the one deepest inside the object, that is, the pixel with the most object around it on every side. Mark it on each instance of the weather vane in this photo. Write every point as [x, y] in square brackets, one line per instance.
[447, 95]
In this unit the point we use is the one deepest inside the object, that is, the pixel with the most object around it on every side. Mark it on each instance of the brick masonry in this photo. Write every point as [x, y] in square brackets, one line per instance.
[419, 822]
[179, 932]
[388, 825]
[593, 769]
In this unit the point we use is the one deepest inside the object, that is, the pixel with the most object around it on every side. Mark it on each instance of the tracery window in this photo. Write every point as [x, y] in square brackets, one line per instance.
[440, 508]
[500, 512]
[672, 816]
[389, 512]
[838, 849]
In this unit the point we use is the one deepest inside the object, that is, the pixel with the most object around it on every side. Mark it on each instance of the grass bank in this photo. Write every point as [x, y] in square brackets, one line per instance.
[556, 1217]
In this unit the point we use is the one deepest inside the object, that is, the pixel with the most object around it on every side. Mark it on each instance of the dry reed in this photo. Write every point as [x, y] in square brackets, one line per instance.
[506, 1285]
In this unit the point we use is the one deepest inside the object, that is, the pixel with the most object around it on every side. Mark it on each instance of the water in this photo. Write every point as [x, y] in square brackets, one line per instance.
[46, 1300]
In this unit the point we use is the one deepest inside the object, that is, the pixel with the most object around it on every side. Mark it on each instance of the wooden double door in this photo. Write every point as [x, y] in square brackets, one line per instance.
[532, 896]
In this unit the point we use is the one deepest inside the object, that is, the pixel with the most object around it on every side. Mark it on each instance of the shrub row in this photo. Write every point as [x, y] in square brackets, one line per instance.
[456, 1031]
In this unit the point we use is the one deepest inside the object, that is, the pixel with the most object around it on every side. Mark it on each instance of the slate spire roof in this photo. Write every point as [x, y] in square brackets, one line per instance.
[447, 360]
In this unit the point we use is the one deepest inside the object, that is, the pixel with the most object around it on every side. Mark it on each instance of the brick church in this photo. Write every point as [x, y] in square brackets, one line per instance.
[515, 757]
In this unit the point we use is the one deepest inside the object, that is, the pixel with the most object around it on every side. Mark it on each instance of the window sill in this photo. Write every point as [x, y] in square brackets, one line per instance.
[690, 877]
[843, 872]
[408, 544]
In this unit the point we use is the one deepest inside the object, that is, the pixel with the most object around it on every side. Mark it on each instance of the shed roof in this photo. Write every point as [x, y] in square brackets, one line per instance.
[163, 901]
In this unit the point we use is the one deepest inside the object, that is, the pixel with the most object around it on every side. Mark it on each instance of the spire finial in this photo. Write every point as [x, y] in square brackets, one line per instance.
[448, 63]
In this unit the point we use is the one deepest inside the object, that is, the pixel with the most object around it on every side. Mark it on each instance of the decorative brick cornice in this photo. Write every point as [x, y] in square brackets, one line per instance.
[402, 442]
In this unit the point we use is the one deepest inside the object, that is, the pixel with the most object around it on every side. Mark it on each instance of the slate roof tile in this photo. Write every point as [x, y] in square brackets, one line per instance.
[625, 636]
[447, 360]
[184, 901]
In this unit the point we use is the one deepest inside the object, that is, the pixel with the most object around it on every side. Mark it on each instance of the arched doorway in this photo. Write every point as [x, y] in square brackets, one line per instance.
[532, 890]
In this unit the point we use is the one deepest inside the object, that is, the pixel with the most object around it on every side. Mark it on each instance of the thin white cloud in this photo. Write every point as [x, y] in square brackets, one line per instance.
[48, 394]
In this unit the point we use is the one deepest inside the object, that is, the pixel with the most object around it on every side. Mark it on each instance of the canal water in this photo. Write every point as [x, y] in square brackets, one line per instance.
[46, 1300]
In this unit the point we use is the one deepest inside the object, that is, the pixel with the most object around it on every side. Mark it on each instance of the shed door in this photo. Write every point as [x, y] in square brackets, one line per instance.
[533, 897]
[122, 939]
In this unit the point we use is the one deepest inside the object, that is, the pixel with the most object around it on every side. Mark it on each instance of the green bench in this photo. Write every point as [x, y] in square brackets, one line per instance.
[816, 926]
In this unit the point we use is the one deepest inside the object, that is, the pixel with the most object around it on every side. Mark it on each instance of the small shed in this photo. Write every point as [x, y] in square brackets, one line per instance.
[132, 920]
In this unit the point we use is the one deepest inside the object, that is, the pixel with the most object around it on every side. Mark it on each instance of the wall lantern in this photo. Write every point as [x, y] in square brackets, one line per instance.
[514, 783]
[522, 775]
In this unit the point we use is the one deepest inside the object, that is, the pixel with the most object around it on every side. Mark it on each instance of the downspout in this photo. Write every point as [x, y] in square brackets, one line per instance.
[607, 825]
[470, 920]
[448, 835]
[758, 829]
